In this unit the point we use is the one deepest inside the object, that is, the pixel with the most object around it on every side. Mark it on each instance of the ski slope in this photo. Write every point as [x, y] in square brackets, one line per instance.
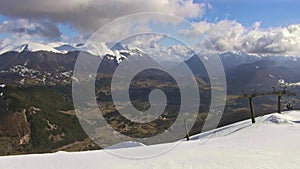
[272, 143]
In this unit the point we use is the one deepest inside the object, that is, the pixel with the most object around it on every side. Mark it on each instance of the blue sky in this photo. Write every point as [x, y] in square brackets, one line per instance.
[67, 30]
[271, 13]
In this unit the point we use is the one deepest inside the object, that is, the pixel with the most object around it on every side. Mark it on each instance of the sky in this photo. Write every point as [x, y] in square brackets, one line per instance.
[272, 13]
[257, 26]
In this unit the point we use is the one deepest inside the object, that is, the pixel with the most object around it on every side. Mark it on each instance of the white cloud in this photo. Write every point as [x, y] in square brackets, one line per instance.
[22, 28]
[174, 54]
[89, 15]
[144, 41]
[284, 40]
[197, 29]
[229, 35]
[5, 42]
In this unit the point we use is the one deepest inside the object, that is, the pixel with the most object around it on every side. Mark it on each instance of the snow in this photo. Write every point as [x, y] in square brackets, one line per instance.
[126, 145]
[67, 48]
[98, 49]
[118, 56]
[30, 46]
[294, 84]
[283, 82]
[281, 119]
[271, 143]
[56, 44]
[74, 78]
[5, 49]
[33, 47]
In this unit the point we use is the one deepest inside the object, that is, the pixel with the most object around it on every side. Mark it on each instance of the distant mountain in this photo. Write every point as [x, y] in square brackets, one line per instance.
[110, 51]
[228, 59]
[102, 49]
[243, 71]
[232, 59]
[262, 75]
[39, 60]
[29, 47]
[246, 72]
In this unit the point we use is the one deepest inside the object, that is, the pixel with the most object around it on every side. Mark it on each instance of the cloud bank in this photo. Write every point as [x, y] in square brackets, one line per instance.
[22, 28]
[229, 35]
[89, 15]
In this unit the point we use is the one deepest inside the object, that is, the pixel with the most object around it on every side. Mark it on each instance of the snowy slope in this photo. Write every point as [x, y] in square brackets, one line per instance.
[272, 143]
[126, 145]
[67, 48]
[7, 48]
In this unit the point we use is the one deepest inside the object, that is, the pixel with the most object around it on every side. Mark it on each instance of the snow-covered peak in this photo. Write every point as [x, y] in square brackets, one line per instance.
[133, 49]
[112, 51]
[117, 51]
[56, 44]
[34, 47]
[30, 46]
[239, 54]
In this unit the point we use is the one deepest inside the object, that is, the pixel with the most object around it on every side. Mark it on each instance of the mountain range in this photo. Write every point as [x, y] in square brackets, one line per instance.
[37, 78]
